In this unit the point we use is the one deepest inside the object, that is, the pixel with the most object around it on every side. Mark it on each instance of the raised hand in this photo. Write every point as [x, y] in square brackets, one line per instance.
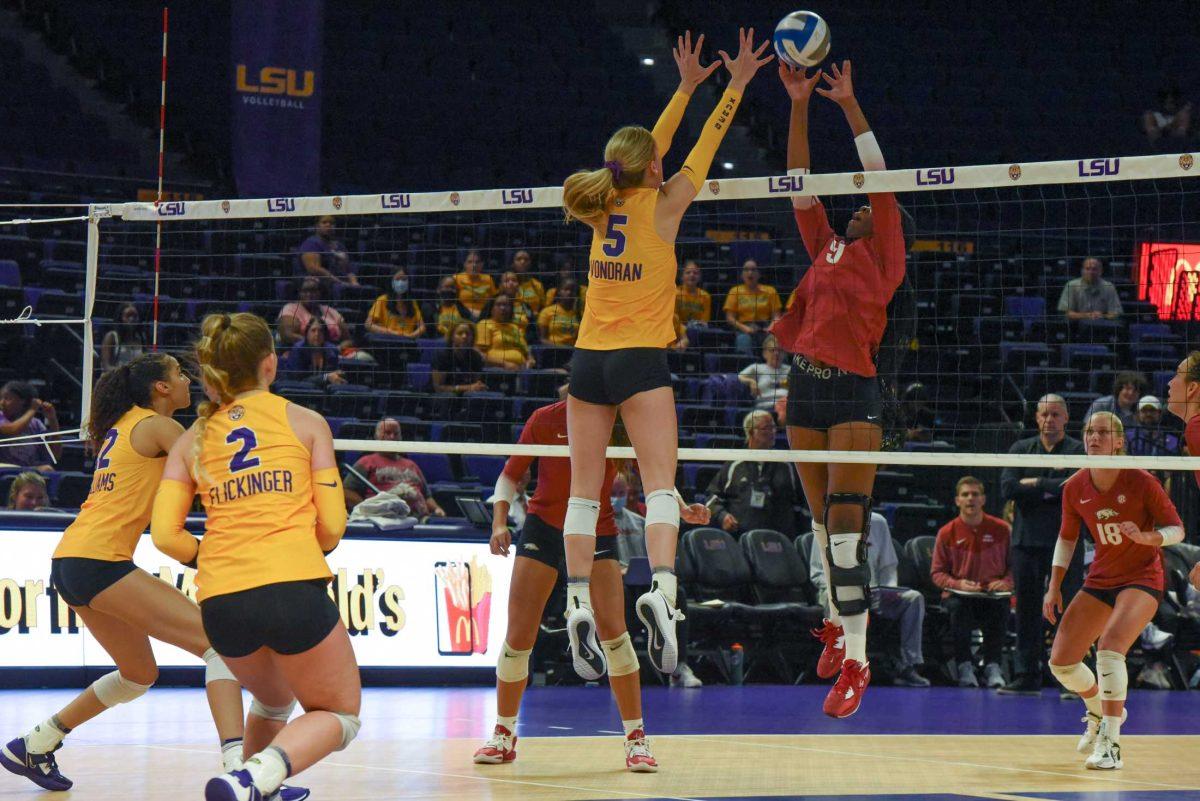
[691, 72]
[841, 88]
[748, 61]
[799, 86]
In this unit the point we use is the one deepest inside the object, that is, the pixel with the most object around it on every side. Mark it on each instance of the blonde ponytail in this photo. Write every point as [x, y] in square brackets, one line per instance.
[587, 193]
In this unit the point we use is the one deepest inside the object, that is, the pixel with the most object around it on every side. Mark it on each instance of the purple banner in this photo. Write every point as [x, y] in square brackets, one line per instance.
[277, 81]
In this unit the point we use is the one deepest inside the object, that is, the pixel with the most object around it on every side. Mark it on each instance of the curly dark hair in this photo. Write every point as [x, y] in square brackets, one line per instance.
[124, 387]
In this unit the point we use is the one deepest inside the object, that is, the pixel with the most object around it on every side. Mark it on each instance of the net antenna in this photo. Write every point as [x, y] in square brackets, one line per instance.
[162, 136]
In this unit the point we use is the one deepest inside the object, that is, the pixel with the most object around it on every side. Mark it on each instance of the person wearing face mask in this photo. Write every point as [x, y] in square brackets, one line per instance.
[500, 339]
[748, 495]
[125, 342]
[396, 314]
[449, 311]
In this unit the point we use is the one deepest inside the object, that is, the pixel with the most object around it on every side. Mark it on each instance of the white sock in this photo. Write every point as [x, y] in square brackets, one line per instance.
[509, 723]
[268, 768]
[664, 581]
[579, 594]
[231, 754]
[822, 538]
[633, 725]
[856, 637]
[1113, 724]
[46, 736]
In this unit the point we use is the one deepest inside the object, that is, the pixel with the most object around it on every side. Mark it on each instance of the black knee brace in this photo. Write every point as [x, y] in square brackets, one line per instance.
[845, 577]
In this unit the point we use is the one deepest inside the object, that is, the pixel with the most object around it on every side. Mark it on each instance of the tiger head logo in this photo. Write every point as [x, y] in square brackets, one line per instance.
[714, 187]
[1105, 514]
[454, 198]
[1185, 161]
[1014, 172]
[337, 202]
[859, 180]
[225, 206]
[237, 413]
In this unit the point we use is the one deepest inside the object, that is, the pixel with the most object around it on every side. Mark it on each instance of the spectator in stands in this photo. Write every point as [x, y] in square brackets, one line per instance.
[748, 495]
[558, 322]
[388, 471]
[1128, 386]
[28, 493]
[19, 410]
[294, 317]
[767, 380]
[1036, 494]
[325, 258]
[459, 367]
[315, 360]
[1168, 118]
[450, 311]
[888, 599]
[500, 340]
[475, 287]
[567, 273]
[693, 304]
[918, 416]
[510, 285]
[1090, 297]
[750, 308]
[971, 565]
[681, 337]
[125, 341]
[396, 313]
[1147, 437]
[530, 291]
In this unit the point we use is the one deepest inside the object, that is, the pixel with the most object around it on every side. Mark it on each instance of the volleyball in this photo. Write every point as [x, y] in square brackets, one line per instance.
[802, 39]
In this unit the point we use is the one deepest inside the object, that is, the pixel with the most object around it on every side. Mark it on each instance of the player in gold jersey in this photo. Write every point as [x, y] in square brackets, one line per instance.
[265, 471]
[131, 427]
[620, 360]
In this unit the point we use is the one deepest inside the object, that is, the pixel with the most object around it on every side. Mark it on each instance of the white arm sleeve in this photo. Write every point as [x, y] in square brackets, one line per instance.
[807, 201]
[1063, 551]
[1171, 535]
[506, 490]
[868, 152]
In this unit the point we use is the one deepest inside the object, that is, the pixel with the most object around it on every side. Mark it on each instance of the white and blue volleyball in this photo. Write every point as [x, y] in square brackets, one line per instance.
[802, 39]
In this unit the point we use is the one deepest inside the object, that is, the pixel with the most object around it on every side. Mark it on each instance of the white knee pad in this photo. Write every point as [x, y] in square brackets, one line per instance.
[1077, 677]
[215, 668]
[1114, 680]
[622, 659]
[113, 688]
[581, 517]
[279, 713]
[662, 507]
[513, 664]
[350, 726]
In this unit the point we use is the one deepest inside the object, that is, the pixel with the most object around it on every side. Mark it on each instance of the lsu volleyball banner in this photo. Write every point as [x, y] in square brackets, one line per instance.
[277, 81]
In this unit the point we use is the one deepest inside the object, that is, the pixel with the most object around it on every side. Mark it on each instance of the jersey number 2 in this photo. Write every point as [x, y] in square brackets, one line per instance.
[614, 238]
[249, 442]
[110, 439]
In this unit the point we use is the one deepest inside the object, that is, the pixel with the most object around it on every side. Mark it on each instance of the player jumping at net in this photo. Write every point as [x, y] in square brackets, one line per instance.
[266, 474]
[834, 330]
[1130, 519]
[620, 360]
[130, 424]
[535, 572]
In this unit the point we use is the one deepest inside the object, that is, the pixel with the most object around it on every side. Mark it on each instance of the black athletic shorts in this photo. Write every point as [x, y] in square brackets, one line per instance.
[543, 542]
[611, 377]
[289, 618]
[1109, 595]
[821, 397]
[79, 580]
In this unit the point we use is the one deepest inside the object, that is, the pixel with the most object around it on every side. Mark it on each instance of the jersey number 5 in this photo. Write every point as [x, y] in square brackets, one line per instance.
[249, 442]
[110, 439]
[614, 238]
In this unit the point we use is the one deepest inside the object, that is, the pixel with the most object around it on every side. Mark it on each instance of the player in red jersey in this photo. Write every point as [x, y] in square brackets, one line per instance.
[540, 553]
[1183, 401]
[834, 329]
[1130, 519]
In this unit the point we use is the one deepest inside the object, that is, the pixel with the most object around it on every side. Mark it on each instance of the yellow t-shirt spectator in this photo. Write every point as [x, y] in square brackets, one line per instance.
[475, 290]
[523, 315]
[450, 315]
[383, 315]
[558, 326]
[502, 344]
[532, 293]
[753, 307]
[693, 306]
[553, 293]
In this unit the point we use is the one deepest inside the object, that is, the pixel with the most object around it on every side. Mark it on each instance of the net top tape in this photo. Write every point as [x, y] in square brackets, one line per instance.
[980, 176]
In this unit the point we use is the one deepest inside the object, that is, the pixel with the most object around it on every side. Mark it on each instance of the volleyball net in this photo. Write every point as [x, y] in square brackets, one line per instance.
[982, 333]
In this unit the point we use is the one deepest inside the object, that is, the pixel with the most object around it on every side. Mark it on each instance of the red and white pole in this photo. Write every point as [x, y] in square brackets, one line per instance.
[162, 129]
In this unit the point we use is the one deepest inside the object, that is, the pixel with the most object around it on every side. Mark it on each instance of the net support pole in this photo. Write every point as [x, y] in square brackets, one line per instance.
[91, 263]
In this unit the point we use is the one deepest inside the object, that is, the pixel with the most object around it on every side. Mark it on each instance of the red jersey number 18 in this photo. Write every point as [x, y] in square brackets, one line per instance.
[1109, 533]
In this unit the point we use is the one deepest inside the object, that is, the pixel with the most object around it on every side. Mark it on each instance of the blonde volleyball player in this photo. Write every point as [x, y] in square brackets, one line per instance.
[1130, 519]
[834, 328]
[535, 572]
[266, 474]
[620, 360]
[93, 571]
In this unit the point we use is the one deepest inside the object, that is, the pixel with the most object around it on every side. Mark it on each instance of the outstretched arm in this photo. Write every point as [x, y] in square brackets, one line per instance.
[799, 88]
[841, 91]
[691, 74]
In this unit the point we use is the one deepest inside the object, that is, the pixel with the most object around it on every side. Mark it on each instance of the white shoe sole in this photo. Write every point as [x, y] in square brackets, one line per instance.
[661, 646]
[641, 768]
[581, 631]
[1090, 766]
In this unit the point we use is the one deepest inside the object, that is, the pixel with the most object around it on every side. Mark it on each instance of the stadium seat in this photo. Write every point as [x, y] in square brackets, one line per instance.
[10, 273]
[483, 469]
[919, 551]
[435, 467]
